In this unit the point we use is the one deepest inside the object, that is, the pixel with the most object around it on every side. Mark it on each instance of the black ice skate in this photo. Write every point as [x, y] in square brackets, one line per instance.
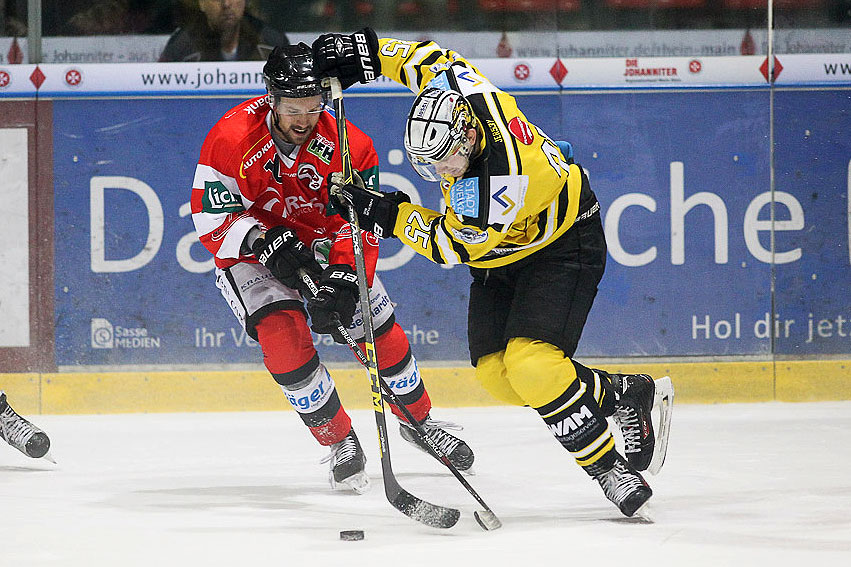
[643, 414]
[347, 464]
[633, 409]
[456, 450]
[20, 433]
[623, 485]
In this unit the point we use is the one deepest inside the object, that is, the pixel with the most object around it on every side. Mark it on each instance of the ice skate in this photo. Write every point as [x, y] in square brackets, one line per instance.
[624, 486]
[633, 417]
[643, 414]
[20, 433]
[347, 464]
[456, 450]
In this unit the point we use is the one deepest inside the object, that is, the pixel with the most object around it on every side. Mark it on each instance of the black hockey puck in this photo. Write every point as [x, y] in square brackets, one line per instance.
[351, 535]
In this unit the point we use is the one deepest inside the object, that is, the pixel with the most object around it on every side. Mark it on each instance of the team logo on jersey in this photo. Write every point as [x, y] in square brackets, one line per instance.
[521, 130]
[321, 148]
[470, 236]
[217, 199]
[312, 178]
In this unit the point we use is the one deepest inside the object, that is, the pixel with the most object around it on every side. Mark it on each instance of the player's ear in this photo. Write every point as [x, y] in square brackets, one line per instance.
[471, 135]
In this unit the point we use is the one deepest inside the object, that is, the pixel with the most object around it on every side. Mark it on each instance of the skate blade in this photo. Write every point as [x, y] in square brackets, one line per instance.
[359, 483]
[644, 514]
[664, 402]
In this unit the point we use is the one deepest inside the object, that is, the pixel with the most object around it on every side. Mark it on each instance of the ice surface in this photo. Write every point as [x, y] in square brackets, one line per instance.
[764, 484]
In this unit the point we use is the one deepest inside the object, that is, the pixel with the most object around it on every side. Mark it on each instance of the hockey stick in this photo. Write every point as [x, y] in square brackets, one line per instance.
[486, 518]
[413, 507]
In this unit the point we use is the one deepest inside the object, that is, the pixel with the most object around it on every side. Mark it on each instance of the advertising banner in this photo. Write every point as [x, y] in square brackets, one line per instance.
[534, 74]
[683, 179]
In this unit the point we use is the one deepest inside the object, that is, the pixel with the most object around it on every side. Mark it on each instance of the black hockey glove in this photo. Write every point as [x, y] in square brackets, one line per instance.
[335, 302]
[376, 211]
[352, 58]
[283, 253]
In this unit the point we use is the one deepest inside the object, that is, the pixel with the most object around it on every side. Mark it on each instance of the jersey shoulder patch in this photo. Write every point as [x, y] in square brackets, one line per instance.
[507, 197]
[521, 131]
[464, 197]
[492, 201]
[218, 199]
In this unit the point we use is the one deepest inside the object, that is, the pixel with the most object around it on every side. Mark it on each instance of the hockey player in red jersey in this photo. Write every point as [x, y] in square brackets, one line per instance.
[523, 216]
[259, 201]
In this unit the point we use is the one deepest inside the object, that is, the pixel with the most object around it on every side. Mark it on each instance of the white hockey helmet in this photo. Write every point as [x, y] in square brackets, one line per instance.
[436, 129]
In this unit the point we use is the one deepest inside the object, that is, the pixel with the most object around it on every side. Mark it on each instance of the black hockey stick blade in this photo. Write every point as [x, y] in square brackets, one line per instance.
[424, 512]
[486, 518]
[415, 508]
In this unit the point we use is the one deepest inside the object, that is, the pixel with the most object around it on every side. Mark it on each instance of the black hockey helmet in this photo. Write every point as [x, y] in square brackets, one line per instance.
[288, 73]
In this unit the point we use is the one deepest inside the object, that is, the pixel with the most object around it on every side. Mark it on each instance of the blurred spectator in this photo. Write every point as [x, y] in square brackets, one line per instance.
[115, 17]
[13, 18]
[221, 30]
[106, 17]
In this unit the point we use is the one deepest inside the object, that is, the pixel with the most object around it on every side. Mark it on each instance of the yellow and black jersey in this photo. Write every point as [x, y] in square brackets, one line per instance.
[519, 194]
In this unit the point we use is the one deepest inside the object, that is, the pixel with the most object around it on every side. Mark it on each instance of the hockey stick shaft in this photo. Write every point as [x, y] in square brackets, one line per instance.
[357, 250]
[401, 499]
[486, 519]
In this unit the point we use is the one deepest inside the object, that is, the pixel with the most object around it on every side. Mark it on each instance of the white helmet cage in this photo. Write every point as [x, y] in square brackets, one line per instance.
[436, 127]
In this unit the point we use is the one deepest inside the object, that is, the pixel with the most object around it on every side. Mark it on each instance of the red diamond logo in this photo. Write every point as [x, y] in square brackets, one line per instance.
[15, 55]
[558, 71]
[37, 77]
[777, 68]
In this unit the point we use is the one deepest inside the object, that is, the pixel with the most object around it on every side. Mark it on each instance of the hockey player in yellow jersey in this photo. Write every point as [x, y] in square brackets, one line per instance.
[521, 214]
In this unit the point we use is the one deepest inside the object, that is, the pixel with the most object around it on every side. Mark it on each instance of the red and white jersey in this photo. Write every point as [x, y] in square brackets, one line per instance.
[242, 180]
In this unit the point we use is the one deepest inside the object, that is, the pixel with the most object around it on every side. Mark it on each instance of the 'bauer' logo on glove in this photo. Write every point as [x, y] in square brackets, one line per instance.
[272, 247]
[285, 255]
[344, 276]
[362, 46]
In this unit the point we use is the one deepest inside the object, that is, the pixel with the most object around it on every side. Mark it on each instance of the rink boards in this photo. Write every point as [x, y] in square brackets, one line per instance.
[110, 391]
[115, 279]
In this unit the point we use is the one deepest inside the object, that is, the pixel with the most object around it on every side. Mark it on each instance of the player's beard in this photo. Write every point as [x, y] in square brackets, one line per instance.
[294, 134]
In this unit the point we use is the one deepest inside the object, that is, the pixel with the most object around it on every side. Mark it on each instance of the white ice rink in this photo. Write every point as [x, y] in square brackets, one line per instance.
[745, 485]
